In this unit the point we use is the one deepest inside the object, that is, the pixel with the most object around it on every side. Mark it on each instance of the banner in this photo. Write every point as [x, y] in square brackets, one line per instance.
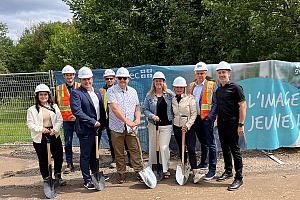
[271, 89]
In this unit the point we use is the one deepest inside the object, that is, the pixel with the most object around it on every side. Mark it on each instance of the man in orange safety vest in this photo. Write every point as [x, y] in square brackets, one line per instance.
[62, 98]
[204, 92]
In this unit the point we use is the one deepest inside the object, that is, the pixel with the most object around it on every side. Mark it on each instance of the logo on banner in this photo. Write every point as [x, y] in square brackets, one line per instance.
[143, 74]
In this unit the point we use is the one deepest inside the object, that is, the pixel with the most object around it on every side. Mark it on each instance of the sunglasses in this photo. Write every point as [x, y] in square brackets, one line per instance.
[109, 79]
[124, 78]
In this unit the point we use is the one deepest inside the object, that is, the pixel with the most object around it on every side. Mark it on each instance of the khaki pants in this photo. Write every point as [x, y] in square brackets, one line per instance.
[118, 141]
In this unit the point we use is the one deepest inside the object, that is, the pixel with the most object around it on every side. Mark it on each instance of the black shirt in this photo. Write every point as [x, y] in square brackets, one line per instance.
[228, 98]
[162, 112]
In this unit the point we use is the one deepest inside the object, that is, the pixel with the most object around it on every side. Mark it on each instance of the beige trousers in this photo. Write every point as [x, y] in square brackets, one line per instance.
[118, 141]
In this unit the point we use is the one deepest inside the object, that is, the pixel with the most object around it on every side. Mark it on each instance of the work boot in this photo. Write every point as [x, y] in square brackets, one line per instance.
[59, 181]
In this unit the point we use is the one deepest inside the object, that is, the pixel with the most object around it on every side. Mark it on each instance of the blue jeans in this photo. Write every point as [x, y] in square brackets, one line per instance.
[87, 156]
[68, 127]
[205, 134]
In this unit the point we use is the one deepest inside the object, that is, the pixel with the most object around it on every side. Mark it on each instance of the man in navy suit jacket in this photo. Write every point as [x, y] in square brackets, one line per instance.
[87, 106]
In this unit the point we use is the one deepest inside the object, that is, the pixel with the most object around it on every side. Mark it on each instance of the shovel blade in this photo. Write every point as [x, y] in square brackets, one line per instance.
[158, 172]
[181, 175]
[148, 177]
[98, 181]
[49, 190]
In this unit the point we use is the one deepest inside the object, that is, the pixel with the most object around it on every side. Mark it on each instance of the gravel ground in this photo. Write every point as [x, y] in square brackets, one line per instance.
[20, 178]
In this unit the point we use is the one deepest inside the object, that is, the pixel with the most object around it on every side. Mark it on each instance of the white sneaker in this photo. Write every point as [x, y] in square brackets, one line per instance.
[198, 177]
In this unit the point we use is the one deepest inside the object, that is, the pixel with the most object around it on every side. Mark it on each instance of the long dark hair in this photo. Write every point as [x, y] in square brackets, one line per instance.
[38, 103]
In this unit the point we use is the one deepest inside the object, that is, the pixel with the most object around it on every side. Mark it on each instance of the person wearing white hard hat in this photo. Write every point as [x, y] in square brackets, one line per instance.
[185, 114]
[44, 121]
[158, 111]
[204, 91]
[231, 118]
[109, 78]
[87, 106]
[62, 98]
[124, 117]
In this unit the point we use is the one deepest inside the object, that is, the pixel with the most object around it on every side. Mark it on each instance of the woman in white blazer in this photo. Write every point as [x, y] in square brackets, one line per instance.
[44, 121]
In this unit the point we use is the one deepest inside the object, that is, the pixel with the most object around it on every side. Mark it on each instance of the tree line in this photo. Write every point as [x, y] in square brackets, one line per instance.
[104, 34]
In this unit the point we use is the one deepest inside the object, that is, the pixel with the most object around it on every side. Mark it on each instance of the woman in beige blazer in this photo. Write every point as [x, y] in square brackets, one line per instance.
[185, 113]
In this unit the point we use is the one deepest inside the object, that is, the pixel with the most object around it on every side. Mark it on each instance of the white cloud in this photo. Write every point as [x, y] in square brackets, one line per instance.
[21, 14]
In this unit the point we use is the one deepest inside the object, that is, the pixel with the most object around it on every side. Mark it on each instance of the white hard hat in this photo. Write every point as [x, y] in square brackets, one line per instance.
[109, 72]
[179, 82]
[158, 75]
[200, 66]
[122, 72]
[223, 66]
[85, 72]
[42, 88]
[68, 69]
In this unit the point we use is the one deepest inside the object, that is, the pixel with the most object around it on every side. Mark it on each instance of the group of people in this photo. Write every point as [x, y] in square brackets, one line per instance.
[186, 110]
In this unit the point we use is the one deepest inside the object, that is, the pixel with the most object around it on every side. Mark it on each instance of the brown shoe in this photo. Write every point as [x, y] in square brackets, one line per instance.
[121, 178]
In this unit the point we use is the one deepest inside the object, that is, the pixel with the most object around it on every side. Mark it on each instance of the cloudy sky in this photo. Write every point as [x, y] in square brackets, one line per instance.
[21, 14]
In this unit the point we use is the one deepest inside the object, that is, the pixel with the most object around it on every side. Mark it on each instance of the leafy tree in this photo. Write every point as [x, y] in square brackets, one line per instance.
[6, 45]
[31, 50]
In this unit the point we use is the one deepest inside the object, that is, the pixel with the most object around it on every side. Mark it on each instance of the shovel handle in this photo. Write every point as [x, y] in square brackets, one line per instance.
[156, 136]
[48, 150]
[182, 147]
[97, 144]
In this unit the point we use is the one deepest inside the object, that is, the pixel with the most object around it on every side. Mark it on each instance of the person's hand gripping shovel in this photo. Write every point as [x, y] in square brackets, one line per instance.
[98, 177]
[157, 168]
[146, 174]
[182, 169]
[49, 189]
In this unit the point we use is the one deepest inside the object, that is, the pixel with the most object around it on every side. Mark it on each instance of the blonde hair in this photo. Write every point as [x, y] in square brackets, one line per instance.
[151, 92]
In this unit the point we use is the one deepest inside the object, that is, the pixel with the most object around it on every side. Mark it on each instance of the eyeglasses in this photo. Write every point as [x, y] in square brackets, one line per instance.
[124, 78]
[109, 79]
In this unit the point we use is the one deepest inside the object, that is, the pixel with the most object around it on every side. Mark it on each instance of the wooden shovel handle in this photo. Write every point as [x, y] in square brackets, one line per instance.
[182, 146]
[157, 137]
[49, 153]
[97, 145]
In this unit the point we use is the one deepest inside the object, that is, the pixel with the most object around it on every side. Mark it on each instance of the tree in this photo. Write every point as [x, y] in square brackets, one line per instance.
[31, 50]
[6, 45]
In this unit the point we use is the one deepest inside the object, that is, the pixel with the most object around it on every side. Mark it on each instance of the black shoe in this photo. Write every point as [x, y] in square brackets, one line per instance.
[59, 181]
[89, 186]
[224, 176]
[106, 177]
[202, 166]
[235, 185]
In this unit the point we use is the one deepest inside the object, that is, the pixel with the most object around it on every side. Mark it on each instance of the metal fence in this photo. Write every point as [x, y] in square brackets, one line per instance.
[16, 96]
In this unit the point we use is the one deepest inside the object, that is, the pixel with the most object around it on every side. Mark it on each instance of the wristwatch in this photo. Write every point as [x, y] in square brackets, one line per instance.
[240, 124]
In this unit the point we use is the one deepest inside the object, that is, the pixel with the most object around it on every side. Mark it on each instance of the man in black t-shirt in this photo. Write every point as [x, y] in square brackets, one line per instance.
[231, 105]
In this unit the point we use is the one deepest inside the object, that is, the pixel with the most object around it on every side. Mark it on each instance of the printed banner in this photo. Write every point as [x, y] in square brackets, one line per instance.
[271, 89]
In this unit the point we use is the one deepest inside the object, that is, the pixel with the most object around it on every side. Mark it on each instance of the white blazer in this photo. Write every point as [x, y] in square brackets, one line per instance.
[35, 122]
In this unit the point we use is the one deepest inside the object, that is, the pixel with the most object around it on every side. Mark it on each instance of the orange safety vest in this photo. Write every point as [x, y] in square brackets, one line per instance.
[63, 101]
[207, 96]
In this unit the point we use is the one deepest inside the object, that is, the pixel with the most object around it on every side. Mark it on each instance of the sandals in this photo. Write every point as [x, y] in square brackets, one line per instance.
[166, 175]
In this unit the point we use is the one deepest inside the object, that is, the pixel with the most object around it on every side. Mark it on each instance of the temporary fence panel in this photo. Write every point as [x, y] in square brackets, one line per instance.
[16, 96]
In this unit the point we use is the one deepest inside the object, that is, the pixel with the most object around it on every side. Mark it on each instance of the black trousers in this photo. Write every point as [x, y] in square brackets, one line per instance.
[56, 151]
[229, 139]
[190, 143]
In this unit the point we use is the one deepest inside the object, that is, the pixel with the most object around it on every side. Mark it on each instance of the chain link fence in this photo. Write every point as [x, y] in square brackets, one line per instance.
[16, 96]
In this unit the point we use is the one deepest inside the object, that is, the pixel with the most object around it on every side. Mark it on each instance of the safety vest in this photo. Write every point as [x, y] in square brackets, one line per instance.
[63, 101]
[207, 96]
[103, 93]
